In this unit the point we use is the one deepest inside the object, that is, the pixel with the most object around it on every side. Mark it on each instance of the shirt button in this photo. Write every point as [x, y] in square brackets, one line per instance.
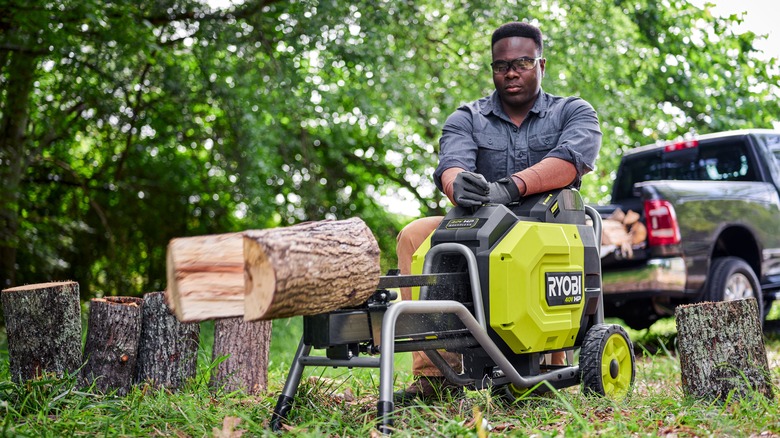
[514, 129]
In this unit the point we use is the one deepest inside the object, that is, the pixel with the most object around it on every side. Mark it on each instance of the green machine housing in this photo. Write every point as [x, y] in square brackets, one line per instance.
[539, 273]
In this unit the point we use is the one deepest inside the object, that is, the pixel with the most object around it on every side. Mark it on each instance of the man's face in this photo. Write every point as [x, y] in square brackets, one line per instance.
[517, 89]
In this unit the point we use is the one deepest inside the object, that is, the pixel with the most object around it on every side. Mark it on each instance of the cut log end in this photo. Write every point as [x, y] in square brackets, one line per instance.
[120, 301]
[205, 277]
[40, 286]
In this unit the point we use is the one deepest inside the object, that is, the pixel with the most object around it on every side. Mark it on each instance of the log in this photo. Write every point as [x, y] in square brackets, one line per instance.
[111, 350]
[721, 350]
[309, 268]
[43, 327]
[246, 345]
[304, 269]
[168, 349]
[205, 277]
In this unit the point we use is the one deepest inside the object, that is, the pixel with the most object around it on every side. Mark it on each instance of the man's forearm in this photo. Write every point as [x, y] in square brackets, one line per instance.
[548, 174]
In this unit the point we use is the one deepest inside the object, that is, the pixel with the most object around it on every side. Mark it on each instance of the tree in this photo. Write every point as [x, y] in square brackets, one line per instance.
[123, 125]
[111, 136]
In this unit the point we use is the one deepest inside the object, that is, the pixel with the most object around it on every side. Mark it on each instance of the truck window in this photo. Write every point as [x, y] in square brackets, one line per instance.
[719, 160]
[725, 162]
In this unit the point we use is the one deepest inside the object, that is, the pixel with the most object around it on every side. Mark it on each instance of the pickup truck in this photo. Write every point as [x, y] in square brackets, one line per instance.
[711, 208]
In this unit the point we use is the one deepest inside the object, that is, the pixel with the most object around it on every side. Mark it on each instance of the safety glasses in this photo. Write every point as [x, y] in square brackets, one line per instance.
[520, 64]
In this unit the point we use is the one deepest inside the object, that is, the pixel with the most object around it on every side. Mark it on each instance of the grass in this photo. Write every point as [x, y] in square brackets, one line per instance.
[339, 402]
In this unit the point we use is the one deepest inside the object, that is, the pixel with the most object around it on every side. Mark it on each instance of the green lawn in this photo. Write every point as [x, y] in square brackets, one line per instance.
[338, 402]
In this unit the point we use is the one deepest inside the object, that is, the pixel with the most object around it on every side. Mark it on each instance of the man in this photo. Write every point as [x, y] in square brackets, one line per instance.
[516, 142]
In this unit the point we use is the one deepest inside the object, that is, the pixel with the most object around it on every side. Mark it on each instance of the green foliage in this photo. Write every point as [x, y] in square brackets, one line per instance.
[125, 124]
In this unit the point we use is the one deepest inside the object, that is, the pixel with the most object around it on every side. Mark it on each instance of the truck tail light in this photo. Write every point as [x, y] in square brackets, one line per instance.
[662, 228]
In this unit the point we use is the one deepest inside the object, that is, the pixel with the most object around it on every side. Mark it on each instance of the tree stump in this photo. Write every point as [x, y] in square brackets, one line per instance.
[168, 349]
[111, 350]
[721, 349]
[246, 344]
[310, 268]
[43, 325]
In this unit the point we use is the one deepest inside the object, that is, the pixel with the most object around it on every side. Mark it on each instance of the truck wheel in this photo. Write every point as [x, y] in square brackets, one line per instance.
[607, 362]
[731, 278]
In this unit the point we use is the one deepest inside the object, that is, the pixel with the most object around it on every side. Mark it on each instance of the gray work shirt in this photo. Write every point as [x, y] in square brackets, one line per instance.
[480, 137]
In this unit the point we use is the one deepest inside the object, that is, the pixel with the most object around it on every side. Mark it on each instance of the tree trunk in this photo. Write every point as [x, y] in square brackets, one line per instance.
[304, 269]
[19, 76]
[721, 349]
[309, 268]
[112, 343]
[43, 326]
[246, 346]
[168, 349]
[206, 277]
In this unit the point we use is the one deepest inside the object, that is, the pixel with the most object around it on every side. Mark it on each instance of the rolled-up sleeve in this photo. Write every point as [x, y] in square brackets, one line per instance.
[456, 145]
[580, 139]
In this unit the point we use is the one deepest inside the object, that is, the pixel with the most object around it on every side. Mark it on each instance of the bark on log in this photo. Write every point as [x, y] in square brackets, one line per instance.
[43, 326]
[246, 344]
[168, 349]
[111, 350]
[205, 277]
[304, 269]
[721, 349]
[309, 268]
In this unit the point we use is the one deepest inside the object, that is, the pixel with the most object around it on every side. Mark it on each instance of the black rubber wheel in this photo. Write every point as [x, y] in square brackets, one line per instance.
[509, 393]
[767, 307]
[607, 362]
[731, 278]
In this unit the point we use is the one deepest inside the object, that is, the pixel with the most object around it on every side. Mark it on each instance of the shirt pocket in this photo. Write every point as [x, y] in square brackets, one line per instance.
[492, 152]
[540, 145]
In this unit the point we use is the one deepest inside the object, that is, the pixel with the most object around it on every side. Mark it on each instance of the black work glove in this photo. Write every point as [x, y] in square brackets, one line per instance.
[503, 191]
[470, 189]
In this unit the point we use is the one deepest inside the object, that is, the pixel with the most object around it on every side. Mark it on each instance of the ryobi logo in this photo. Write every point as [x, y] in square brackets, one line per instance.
[563, 288]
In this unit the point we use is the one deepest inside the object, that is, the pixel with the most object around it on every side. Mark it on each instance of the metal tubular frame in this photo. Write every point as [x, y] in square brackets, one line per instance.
[475, 323]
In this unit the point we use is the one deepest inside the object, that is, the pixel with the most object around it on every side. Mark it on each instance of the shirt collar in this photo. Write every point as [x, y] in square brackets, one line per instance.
[494, 105]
